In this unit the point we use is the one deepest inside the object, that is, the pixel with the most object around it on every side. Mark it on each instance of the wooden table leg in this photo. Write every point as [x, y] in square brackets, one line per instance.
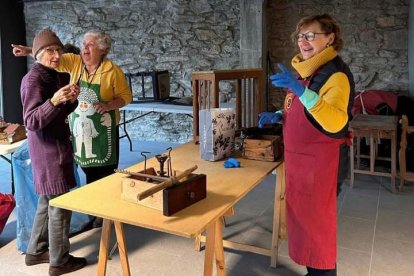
[393, 162]
[218, 248]
[352, 165]
[197, 242]
[282, 213]
[277, 213]
[372, 155]
[214, 247]
[358, 151]
[123, 254]
[209, 254]
[200, 238]
[104, 247]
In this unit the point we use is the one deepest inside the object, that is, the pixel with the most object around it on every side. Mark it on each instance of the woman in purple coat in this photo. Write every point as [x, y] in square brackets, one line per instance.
[47, 100]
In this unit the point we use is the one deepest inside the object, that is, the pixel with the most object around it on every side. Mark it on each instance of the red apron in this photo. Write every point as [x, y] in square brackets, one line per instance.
[311, 160]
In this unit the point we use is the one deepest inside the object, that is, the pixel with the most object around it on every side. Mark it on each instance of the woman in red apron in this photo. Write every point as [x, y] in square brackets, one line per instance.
[315, 119]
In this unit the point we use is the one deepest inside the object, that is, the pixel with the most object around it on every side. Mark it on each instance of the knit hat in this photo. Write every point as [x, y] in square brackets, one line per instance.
[43, 39]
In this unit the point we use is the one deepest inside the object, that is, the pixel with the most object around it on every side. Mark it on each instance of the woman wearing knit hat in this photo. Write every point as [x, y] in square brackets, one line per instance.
[94, 123]
[47, 100]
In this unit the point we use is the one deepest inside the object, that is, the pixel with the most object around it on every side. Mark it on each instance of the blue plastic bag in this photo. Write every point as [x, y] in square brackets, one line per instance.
[26, 199]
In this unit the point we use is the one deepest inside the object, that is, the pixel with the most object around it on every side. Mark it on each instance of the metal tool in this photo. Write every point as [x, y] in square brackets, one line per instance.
[143, 153]
[161, 158]
[169, 162]
[150, 176]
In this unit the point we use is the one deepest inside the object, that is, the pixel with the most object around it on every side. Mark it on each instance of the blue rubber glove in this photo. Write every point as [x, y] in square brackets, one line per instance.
[228, 164]
[269, 118]
[288, 80]
[231, 163]
[234, 162]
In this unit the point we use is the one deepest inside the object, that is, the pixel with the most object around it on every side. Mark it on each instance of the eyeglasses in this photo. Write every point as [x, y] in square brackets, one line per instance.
[52, 51]
[309, 36]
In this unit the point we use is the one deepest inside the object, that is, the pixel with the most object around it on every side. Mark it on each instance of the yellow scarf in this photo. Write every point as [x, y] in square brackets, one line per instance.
[306, 68]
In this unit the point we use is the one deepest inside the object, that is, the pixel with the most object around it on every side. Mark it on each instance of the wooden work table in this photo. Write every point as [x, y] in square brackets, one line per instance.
[225, 187]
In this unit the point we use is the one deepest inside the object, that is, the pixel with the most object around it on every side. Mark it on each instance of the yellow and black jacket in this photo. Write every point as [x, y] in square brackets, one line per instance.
[329, 95]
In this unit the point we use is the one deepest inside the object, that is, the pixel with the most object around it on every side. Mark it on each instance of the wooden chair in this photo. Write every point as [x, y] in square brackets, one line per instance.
[405, 130]
[374, 128]
[250, 96]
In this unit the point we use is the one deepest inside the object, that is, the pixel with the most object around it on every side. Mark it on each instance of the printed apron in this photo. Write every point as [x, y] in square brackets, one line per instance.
[311, 160]
[93, 134]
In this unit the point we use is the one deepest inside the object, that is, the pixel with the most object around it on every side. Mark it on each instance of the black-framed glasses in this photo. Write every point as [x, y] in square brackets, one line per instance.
[51, 51]
[309, 36]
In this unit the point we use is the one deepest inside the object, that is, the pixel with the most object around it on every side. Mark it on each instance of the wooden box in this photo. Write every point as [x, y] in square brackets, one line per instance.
[12, 133]
[263, 147]
[170, 200]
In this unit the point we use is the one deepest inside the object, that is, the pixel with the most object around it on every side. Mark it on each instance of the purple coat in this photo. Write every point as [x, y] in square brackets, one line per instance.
[48, 131]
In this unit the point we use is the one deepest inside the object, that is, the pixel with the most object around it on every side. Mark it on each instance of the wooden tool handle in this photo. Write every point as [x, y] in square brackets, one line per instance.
[166, 183]
[155, 177]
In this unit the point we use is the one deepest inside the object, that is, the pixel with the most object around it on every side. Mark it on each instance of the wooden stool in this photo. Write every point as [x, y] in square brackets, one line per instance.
[374, 127]
[406, 130]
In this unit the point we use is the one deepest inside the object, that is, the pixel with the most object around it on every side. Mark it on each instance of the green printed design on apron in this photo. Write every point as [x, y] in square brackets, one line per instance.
[93, 134]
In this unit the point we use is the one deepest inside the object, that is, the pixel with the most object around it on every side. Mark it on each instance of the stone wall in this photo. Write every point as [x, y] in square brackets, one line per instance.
[183, 36]
[180, 36]
[375, 35]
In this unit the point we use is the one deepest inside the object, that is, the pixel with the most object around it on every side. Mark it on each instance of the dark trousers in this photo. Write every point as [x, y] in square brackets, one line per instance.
[343, 167]
[320, 272]
[96, 173]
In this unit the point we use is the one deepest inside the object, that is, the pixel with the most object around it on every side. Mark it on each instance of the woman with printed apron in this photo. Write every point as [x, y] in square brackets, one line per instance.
[94, 123]
[103, 90]
[315, 128]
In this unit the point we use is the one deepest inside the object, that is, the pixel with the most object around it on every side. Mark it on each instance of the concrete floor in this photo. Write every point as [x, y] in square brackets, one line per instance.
[375, 234]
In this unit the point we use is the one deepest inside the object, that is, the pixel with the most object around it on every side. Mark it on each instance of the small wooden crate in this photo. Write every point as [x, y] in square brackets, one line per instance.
[11, 133]
[263, 148]
[170, 200]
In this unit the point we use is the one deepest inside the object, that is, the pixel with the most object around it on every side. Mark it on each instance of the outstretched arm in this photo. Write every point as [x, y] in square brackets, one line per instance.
[21, 50]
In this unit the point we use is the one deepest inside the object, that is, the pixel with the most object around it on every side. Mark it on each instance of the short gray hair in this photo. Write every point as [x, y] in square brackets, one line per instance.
[39, 54]
[103, 40]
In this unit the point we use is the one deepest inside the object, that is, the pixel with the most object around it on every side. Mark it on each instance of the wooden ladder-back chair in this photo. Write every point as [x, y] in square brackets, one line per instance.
[405, 130]
[249, 93]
